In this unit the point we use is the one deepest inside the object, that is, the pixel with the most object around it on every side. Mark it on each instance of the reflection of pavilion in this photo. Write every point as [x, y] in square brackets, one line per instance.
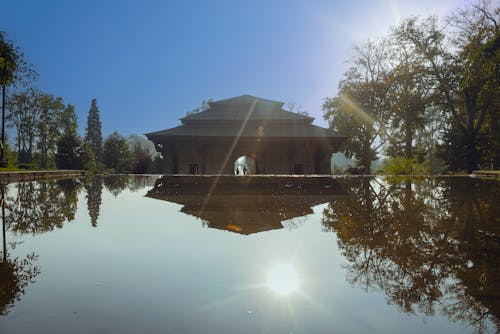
[246, 205]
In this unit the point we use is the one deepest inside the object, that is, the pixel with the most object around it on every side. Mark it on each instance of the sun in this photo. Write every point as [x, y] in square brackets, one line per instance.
[283, 279]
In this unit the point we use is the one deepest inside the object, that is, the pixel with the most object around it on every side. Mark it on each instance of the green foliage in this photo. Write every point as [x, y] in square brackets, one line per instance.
[39, 119]
[117, 156]
[146, 159]
[344, 118]
[68, 119]
[9, 59]
[24, 110]
[426, 85]
[403, 166]
[89, 159]
[359, 110]
[144, 152]
[408, 97]
[158, 165]
[461, 62]
[142, 163]
[28, 166]
[93, 134]
[52, 115]
[70, 152]
[11, 158]
[14, 70]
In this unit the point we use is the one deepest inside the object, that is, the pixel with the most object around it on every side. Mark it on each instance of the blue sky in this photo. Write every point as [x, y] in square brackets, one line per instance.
[149, 62]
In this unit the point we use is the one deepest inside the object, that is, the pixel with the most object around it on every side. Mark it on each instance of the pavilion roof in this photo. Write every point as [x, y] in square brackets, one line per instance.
[249, 130]
[246, 116]
[243, 107]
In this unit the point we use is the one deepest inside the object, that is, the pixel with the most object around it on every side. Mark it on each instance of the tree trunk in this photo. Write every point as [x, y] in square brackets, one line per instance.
[2, 157]
[408, 139]
[365, 159]
[366, 163]
[18, 148]
[471, 153]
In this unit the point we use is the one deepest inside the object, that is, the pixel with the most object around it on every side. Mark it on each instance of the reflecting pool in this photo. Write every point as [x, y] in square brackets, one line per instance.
[122, 254]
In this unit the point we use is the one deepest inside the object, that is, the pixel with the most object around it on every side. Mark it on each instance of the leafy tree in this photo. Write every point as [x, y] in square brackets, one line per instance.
[144, 152]
[39, 120]
[403, 166]
[117, 155]
[68, 119]
[145, 155]
[13, 69]
[88, 158]
[93, 134]
[142, 163]
[52, 113]
[407, 99]
[25, 109]
[158, 166]
[70, 152]
[464, 66]
[359, 110]
[9, 57]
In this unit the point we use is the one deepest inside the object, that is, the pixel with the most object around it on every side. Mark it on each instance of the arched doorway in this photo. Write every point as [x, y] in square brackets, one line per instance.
[244, 165]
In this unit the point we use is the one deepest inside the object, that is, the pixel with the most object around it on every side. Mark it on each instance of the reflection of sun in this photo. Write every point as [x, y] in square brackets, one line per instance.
[283, 279]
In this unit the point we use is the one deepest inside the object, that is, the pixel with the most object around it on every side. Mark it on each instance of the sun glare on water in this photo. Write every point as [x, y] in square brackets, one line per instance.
[283, 279]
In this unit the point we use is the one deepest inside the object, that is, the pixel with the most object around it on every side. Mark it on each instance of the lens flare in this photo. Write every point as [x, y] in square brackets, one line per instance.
[283, 279]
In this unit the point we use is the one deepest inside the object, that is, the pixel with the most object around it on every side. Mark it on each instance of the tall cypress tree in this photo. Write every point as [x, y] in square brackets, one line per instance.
[93, 134]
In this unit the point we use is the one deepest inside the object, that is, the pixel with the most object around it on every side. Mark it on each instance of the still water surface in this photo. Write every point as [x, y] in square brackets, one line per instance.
[116, 255]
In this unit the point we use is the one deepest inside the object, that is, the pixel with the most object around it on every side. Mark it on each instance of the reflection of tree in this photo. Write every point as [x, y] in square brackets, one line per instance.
[70, 189]
[93, 186]
[423, 244]
[31, 208]
[139, 182]
[38, 207]
[116, 183]
[477, 216]
[15, 274]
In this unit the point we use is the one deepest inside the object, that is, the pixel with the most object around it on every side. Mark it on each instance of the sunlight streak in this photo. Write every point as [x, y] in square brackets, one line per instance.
[357, 110]
[228, 155]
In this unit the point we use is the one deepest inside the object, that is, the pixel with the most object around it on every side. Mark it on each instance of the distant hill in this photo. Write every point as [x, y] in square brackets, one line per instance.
[340, 162]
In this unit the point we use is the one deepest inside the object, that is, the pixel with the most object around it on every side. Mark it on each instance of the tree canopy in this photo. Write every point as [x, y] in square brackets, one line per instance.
[429, 88]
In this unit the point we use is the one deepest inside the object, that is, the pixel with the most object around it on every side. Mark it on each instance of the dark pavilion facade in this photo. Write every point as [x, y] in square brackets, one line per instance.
[277, 141]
